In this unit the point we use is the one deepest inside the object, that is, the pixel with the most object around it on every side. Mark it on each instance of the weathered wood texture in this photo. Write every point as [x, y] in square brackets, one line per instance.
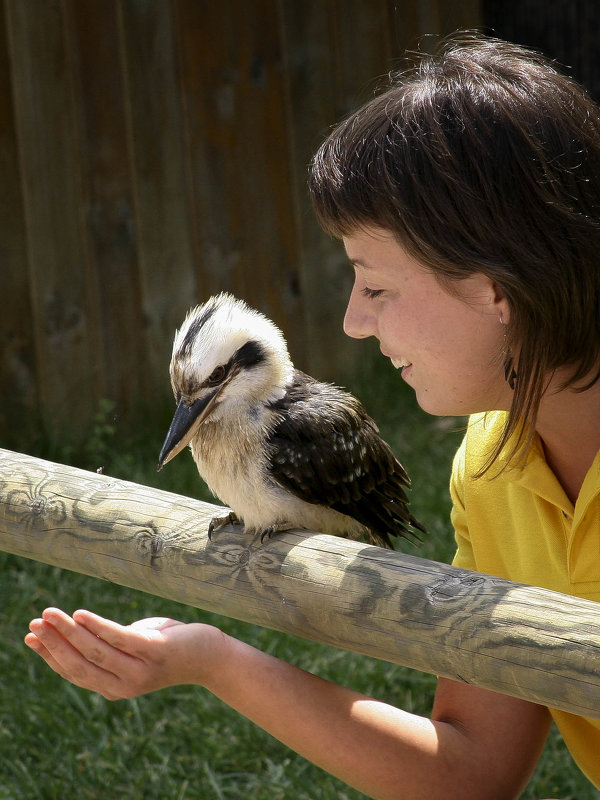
[515, 639]
[154, 152]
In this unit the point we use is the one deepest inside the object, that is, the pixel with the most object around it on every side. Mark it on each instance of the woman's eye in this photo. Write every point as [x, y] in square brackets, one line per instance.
[217, 375]
[371, 293]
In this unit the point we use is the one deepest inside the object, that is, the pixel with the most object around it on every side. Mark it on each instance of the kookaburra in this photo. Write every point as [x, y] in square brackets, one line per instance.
[280, 448]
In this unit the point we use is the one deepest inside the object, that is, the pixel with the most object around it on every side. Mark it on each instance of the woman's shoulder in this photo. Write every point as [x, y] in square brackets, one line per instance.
[481, 437]
[485, 427]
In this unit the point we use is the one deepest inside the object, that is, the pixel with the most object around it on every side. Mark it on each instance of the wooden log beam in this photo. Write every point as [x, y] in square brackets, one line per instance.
[523, 641]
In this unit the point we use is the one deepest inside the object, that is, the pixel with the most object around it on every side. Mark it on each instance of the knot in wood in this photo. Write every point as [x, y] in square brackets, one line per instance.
[451, 587]
[150, 542]
[244, 557]
[37, 506]
[37, 510]
[156, 545]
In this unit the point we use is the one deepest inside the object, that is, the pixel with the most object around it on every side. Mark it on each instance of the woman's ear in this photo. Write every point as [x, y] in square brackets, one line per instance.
[500, 303]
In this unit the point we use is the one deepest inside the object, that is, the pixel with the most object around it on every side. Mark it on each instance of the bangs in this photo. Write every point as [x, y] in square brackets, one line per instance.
[349, 181]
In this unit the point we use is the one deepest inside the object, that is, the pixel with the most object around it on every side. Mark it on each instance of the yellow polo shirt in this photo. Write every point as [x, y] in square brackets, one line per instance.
[522, 526]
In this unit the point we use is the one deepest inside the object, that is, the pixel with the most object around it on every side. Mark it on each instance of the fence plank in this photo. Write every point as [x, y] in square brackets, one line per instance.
[331, 59]
[164, 226]
[107, 202]
[238, 157]
[519, 640]
[18, 380]
[59, 290]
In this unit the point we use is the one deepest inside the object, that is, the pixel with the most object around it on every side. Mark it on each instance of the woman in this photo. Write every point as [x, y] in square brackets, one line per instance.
[467, 196]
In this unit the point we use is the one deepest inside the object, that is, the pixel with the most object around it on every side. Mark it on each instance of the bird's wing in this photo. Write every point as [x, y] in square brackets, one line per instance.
[327, 450]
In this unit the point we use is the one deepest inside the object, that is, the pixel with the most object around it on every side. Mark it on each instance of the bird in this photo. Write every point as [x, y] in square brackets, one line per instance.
[281, 449]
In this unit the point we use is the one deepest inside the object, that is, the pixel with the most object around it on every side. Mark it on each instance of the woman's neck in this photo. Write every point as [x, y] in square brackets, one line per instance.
[569, 427]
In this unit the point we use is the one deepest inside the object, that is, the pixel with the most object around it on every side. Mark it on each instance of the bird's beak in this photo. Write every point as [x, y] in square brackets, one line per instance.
[184, 425]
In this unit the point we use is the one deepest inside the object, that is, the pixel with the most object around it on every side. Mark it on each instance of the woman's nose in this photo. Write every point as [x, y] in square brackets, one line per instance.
[358, 321]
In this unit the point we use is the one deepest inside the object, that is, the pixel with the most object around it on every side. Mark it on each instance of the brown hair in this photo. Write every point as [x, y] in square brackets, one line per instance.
[484, 158]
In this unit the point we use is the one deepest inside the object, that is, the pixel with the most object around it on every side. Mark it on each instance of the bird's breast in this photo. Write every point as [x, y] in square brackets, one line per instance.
[232, 459]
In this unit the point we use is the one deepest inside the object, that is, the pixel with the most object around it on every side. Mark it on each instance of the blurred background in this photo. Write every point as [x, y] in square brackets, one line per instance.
[153, 152]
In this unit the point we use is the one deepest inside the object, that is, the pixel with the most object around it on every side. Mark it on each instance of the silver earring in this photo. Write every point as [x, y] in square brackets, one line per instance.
[510, 375]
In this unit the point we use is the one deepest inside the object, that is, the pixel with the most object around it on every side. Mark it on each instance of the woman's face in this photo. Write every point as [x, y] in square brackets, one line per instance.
[448, 342]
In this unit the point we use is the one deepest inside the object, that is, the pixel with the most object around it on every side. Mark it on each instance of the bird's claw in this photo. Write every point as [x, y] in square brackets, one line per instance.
[218, 522]
[273, 529]
[267, 533]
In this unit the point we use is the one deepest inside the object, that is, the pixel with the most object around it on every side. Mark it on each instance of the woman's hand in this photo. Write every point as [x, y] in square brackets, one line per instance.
[119, 661]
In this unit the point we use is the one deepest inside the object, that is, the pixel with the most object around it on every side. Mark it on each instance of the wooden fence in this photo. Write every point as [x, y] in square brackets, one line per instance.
[519, 640]
[153, 152]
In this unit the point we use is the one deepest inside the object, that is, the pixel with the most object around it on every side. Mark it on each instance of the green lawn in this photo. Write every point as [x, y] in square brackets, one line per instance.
[60, 742]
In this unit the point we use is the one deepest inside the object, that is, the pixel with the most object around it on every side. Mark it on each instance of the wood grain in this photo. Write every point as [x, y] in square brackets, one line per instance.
[520, 640]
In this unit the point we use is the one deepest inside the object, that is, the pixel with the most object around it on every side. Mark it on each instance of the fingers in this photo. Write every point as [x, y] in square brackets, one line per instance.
[37, 645]
[66, 661]
[84, 649]
[105, 629]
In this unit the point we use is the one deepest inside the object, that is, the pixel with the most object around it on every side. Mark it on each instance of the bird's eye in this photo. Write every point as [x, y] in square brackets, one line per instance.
[216, 376]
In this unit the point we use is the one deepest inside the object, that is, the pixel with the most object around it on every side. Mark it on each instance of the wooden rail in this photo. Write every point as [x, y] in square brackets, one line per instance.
[516, 639]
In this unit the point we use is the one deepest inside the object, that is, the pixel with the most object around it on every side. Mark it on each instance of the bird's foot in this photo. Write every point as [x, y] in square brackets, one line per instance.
[220, 522]
[267, 533]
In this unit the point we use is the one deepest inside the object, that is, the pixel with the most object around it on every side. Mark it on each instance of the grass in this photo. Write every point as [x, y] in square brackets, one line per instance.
[57, 741]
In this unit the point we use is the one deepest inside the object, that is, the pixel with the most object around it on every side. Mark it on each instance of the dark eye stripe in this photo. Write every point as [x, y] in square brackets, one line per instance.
[250, 355]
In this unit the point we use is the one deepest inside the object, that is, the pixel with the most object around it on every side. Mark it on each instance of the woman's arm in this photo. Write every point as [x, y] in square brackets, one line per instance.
[478, 744]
